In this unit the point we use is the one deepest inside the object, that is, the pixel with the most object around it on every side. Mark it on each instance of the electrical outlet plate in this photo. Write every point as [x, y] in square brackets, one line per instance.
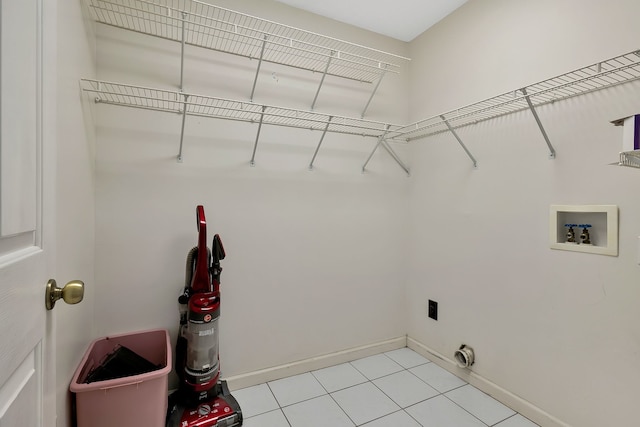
[433, 310]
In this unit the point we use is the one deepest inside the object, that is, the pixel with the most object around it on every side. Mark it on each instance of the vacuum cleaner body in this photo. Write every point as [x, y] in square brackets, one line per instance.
[202, 400]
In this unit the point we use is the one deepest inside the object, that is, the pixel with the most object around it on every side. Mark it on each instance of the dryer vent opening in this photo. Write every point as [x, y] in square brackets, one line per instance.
[464, 356]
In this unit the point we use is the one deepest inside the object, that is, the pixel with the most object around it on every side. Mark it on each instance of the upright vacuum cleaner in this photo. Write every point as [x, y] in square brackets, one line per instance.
[202, 399]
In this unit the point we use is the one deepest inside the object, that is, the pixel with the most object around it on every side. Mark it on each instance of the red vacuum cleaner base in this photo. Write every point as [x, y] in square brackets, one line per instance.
[221, 411]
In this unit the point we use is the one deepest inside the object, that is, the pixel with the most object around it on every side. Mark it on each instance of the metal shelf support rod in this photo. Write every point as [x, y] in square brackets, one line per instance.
[464, 147]
[395, 156]
[324, 132]
[184, 117]
[552, 151]
[255, 80]
[324, 74]
[182, 43]
[375, 89]
[255, 146]
[380, 139]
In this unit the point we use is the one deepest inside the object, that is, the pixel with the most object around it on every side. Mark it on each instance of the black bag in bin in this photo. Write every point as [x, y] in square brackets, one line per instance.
[121, 362]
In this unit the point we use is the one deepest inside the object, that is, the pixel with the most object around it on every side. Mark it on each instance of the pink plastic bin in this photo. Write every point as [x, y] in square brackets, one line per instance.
[134, 401]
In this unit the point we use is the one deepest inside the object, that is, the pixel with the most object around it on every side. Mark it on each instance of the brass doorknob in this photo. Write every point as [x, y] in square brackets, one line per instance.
[71, 293]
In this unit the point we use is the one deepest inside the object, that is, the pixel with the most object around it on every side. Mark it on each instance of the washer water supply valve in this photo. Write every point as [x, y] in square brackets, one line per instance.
[586, 239]
[571, 234]
[464, 356]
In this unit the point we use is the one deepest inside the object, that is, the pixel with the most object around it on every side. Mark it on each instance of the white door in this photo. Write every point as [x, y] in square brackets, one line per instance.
[27, 158]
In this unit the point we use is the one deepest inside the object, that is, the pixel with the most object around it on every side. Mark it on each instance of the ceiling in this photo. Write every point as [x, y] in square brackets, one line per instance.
[400, 19]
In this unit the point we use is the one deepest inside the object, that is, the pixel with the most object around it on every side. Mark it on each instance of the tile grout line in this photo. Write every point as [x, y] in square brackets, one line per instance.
[474, 416]
[401, 408]
[511, 416]
[279, 406]
[334, 400]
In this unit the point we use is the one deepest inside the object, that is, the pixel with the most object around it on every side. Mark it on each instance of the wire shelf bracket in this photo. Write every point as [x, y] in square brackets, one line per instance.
[395, 157]
[552, 151]
[464, 147]
[184, 118]
[380, 139]
[324, 132]
[324, 74]
[252, 162]
[200, 24]
[375, 89]
[255, 80]
[182, 44]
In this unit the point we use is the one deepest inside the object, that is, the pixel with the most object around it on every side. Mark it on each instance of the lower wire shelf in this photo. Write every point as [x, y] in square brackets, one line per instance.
[188, 104]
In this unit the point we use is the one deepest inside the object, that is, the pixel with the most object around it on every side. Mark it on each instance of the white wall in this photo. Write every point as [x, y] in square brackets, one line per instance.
[558, 329]
[75, 199]
[315, 260]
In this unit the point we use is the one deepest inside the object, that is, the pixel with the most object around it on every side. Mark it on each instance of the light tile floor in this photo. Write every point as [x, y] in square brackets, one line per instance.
[399, 388]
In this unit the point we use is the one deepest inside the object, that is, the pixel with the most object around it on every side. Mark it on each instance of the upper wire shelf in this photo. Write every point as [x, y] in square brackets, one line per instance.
[216, 28]
[612, 72]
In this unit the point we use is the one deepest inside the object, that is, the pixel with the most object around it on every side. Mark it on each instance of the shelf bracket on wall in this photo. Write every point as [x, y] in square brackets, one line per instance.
[324, 132]
[324, 74]
[395, 157]
[552, 151]
[255, 80]
[375, 89]
[380, 139]
[184, 117]
[464, 147]
[255, 146]
[182, 43]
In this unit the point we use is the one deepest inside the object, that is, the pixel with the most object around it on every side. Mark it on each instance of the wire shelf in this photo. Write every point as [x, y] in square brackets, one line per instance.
[220, 108]
[612, 72]
[630, 158]
[225, 30]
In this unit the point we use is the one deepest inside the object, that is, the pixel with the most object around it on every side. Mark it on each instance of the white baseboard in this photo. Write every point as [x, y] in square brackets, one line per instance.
[509, 399]
[307, 365]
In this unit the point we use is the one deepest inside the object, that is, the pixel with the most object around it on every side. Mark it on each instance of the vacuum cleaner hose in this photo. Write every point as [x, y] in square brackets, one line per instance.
[191, 258]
